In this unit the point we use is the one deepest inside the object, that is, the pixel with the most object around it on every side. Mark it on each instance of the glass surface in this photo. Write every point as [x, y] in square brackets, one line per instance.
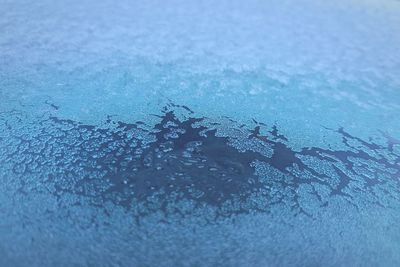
[200, 133]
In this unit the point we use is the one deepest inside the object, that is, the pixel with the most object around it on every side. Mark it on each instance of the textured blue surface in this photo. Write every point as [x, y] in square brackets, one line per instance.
[200, 133]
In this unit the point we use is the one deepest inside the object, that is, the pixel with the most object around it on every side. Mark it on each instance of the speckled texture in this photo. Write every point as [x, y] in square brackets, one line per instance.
[196, 133]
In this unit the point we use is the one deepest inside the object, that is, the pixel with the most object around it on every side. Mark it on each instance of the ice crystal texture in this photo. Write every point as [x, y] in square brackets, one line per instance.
[199, 133]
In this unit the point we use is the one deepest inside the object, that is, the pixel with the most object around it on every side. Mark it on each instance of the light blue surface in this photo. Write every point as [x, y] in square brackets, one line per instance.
[309, 68]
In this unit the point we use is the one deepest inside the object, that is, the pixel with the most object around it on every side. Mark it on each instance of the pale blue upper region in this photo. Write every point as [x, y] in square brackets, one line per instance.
[302, 64]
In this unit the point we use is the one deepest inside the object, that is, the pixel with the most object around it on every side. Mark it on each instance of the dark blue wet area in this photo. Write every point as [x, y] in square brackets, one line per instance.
[183, 162]
[150, 168]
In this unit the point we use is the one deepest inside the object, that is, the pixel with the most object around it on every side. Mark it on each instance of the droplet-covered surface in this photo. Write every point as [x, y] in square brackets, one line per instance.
[199, 134]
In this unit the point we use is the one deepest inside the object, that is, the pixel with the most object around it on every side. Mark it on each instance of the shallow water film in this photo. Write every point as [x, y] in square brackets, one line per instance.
[200, 133]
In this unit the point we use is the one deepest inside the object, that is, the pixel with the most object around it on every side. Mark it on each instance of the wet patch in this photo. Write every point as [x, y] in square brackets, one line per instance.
[186, 163]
